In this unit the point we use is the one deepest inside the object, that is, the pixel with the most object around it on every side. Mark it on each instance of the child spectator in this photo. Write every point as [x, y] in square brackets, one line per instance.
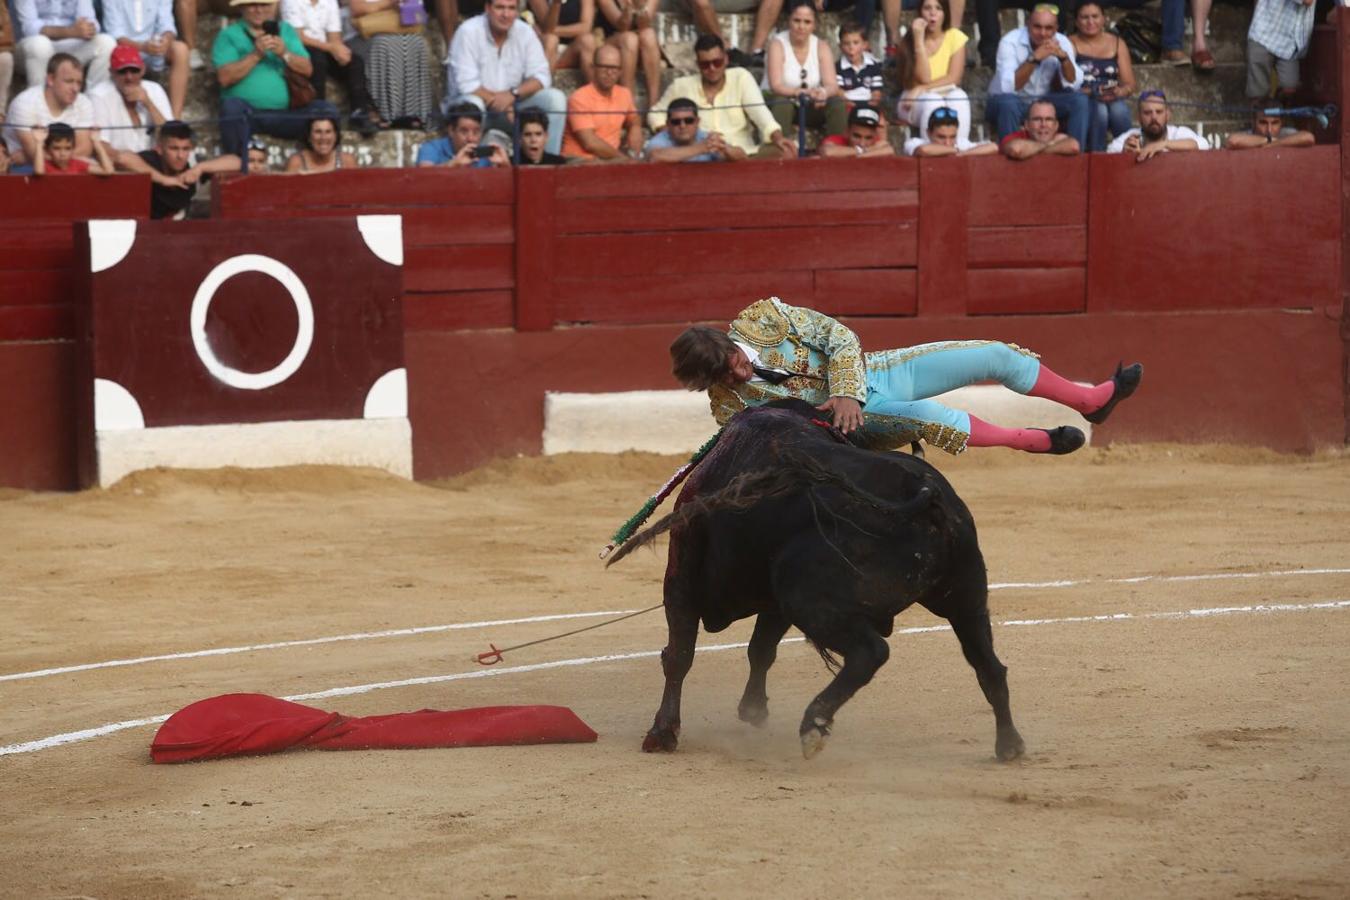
[319, 25]
[858, 71]
[534, 140]
[58, 153]
[147, 26]
[931, 65]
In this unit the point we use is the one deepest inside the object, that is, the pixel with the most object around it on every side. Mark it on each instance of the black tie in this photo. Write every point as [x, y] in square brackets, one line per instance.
[771, 376]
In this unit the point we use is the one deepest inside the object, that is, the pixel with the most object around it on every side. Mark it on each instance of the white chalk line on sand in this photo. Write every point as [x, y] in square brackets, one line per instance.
[71, 737]
[432, 629]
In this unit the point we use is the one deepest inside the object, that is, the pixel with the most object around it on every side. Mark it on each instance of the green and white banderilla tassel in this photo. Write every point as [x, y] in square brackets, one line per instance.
[629, 528]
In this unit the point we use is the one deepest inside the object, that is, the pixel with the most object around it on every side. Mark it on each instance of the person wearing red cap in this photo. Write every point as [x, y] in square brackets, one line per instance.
[129, 108]
[146, 27]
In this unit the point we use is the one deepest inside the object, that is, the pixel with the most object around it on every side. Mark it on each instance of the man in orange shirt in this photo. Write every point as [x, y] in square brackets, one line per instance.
[599, 115]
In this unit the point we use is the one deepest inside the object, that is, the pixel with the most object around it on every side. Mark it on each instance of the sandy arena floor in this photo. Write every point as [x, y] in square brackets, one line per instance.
[1179, 755]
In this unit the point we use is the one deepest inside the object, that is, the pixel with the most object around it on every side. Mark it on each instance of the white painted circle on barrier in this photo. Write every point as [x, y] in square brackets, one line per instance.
[304, 311]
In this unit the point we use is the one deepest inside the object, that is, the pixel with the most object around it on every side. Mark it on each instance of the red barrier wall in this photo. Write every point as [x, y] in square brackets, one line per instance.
[38, 283]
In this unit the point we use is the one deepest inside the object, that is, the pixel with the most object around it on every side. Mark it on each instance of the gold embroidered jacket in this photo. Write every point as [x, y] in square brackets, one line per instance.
[827, 357]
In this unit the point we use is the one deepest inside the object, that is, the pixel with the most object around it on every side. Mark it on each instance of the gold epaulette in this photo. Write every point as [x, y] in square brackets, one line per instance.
[762, 323]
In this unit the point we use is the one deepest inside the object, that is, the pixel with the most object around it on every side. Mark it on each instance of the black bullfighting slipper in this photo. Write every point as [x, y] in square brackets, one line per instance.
[1126, 381]
[1064, 439]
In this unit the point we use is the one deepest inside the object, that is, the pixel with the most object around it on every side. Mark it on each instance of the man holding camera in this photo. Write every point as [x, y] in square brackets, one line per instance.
[251, 58]
[462, 145]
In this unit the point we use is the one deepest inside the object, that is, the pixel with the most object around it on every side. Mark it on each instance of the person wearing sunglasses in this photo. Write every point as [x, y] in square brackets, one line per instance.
[1155, 133]
[683, 141]
[1038, 135]
[775, 351]
[801, 64]
[729, 103]
[944, 138]
[866, 136]
[1038, 63]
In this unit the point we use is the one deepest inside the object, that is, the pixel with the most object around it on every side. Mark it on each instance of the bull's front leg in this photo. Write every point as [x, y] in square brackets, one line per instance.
[676, 659]
[763, 650]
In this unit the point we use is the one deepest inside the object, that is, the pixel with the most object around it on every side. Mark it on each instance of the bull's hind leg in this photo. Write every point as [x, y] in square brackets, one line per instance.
[977, 643]
[769, 630]
[676, 659]
[864, 652]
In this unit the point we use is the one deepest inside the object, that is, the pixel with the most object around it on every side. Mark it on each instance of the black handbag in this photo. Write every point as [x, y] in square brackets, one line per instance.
[1143, 35]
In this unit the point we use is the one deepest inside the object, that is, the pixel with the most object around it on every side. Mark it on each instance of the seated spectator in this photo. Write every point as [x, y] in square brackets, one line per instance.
[128, 109]
[57, 100]
[683, 141]
[173, 174]
[602, 122]
[1035, 63]
[986, 19]
[1108, 77]
[320, 150]
[463, 144]
[534, 140]
[497, 63]
[250, 62]
[4, 159]
[799, 63]
[931, 64]
[6, 58]
[147, 27]
[1173, 27]
[1277, 39]
[705, 14]
[866, 136]
[858, 72]
[944, 138]
[1039, 134]
[1155, 135]
[48, 27]
[629, 26]
[258, 161]
[729, 101]
[1268, 130]
[1201, 58]
[398, 66]
[567, 31]
[319, 25]
[890, 13]
[58, 153]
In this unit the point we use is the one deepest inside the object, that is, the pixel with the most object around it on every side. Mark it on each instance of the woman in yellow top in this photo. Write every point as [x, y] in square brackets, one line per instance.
[932, 61]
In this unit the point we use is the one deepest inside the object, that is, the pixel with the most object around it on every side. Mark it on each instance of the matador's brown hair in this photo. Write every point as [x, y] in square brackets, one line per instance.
[699, 355]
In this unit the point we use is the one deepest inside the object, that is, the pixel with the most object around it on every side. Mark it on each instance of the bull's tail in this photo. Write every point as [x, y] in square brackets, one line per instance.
[796, 473]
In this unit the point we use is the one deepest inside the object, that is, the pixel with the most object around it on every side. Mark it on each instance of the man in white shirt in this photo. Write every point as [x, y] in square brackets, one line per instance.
[319, 24]
[1155, 134]
[943, 139]
[497, 63]
[128, 109]
[1037, 63]
[57, 100]
[147, 26]
[47, 27]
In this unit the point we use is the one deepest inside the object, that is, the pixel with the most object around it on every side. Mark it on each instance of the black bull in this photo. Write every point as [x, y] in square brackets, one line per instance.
[782, 521]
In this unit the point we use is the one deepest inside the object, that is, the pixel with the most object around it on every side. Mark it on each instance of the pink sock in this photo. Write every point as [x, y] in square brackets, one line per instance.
[983, 434]
[1074, 396]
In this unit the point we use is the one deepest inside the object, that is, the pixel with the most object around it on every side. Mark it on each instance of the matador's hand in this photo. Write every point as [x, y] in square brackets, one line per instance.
[845, 412]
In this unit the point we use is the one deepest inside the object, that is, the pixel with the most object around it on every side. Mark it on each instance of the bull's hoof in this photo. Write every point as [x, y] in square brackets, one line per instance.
[661, 740]
[1008, 745]
[814, 737]
[754, 713]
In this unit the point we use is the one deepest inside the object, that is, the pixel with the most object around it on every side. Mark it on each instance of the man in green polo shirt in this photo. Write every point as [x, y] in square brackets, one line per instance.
[251, 57]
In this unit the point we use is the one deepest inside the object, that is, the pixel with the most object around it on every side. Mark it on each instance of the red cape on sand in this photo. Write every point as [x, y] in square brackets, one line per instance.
[250, 724]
